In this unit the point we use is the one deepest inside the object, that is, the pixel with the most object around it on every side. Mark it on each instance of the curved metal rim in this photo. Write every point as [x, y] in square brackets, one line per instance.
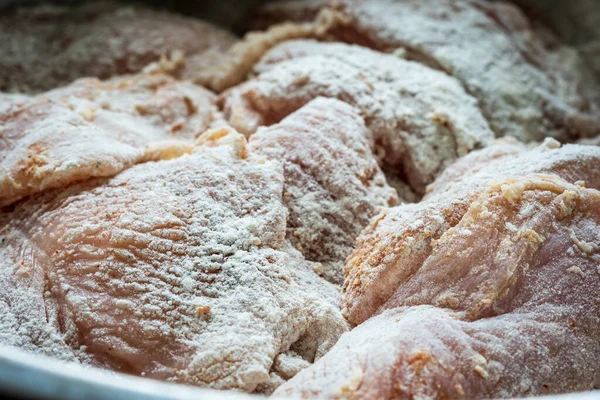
[39, 377]
[35, 376]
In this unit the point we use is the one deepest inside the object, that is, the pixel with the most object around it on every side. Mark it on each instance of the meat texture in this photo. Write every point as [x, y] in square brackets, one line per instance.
[222, 70]
[393, 248]
[524, 89]
[95, 128]
[46, 47]
[333, 185]
[177, 270]
[420, 120]
[10, 100]
[506, 304]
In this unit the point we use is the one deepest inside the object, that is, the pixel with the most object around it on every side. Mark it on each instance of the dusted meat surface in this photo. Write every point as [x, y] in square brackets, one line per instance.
[316, 210]
[177, 270]
[10, 100]
[49, 46]
[93, 128]
[505, 305]
[393, 248]
[524, 90]
[222, 70]
[332, 183]
[419, 119]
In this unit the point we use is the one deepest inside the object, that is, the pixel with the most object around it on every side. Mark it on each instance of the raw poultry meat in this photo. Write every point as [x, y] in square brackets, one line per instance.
[49, 46]
[95, 128]
[489, 46]
[222, 70]
[332, 183]
[420, 120]
[177, 270]
[141, 233]
[506, 304]
[393, 248]
[10, 100]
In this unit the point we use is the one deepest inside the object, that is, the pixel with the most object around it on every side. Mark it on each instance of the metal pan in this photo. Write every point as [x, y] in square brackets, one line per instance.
[30, 376]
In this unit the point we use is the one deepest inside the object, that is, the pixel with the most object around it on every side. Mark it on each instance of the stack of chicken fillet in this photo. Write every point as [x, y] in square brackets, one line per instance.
[357, 200]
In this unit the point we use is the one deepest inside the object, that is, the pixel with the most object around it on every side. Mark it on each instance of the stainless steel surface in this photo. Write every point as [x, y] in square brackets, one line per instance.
[37, 377]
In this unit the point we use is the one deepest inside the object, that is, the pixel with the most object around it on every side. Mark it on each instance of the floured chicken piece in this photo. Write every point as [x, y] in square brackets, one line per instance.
[93, 128]
[27, 318]
[177, 270]
[332, 183]
[46, 47]
[505, 305]
[222, 70]
[393, 248]
[489, 46]
[420, 119]
[10, 100]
